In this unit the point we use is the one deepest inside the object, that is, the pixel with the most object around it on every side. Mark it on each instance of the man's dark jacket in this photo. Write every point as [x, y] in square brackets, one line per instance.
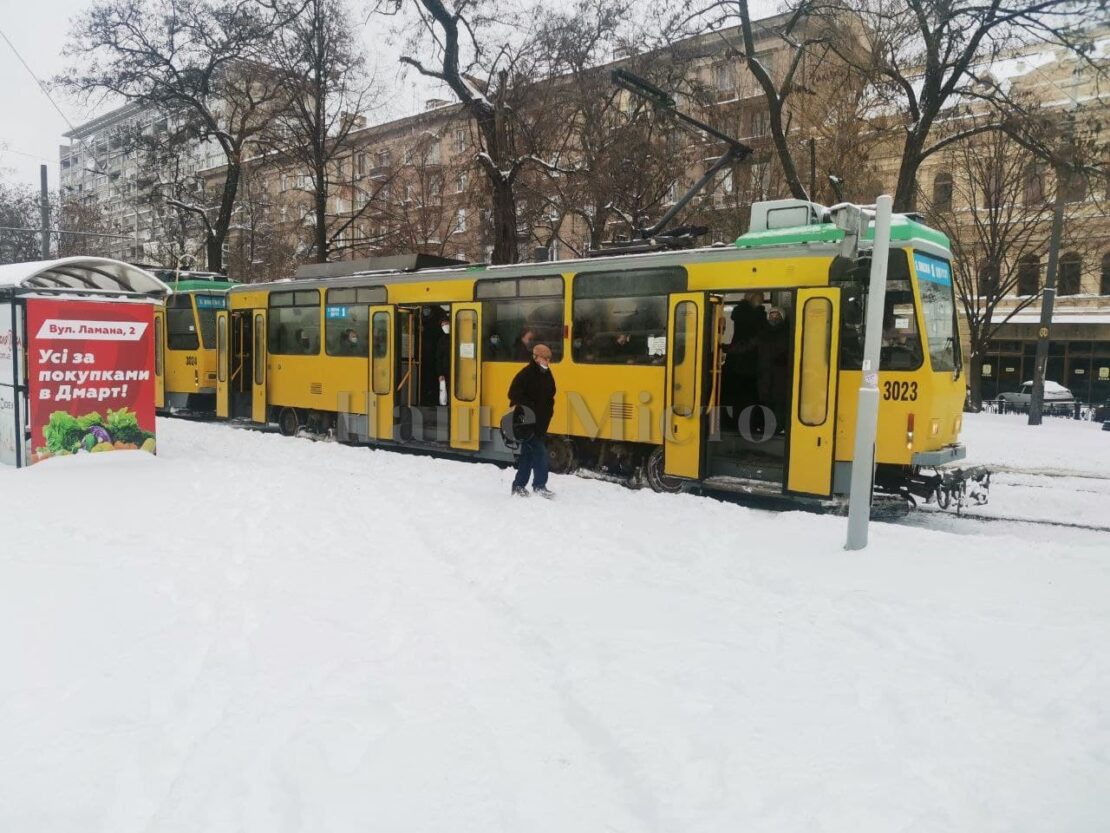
[532, 388]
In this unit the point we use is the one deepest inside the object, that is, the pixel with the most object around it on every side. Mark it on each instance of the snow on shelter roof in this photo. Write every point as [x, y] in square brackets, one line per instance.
[97, 275]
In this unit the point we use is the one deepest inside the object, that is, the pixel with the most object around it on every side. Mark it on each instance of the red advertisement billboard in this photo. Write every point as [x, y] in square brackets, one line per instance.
[90, 372]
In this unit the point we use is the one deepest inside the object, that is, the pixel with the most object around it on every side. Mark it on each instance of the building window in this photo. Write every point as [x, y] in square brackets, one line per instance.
[760, 123]
[942, 191]
[723, 78]
[988, 279]
[460, 220]
[461, 182]
[1104, 282]
[1029, 275]
[1033, 184]
[1075, 187]
[460, 141]
[1071, 268]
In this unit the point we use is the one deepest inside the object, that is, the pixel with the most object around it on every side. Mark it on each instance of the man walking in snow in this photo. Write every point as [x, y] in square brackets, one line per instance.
[532, 396]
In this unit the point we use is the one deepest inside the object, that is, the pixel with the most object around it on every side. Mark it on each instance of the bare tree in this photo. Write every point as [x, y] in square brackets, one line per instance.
[921, 60]
[612, 161]
[928, 59]
[202, 60]
[324, 73]
[497, 88]
[19, 215]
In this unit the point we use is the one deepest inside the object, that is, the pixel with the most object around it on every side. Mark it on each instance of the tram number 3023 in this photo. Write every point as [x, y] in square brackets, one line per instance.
[900, 391]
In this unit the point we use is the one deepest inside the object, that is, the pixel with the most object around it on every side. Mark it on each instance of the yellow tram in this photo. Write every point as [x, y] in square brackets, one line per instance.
[185, 332]
[641, 347]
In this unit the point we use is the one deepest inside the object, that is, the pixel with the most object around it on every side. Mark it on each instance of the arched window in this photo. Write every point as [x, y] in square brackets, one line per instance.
[942, 191]
[1071, 268]
[1029, 275]
[988, 279]
[1104, 283]
[1033, 184]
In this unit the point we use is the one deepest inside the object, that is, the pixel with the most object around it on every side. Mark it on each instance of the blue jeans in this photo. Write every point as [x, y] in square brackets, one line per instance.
[532, 459]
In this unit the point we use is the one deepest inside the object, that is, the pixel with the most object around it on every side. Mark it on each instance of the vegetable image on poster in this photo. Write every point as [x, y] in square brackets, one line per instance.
[91, 370]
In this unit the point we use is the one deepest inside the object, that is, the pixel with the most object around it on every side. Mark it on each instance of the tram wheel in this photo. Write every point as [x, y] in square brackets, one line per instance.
[560, 455]
[288, 422]
[656, 479]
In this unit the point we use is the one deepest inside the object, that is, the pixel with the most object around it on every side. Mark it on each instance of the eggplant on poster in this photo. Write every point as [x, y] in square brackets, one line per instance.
[90, 368]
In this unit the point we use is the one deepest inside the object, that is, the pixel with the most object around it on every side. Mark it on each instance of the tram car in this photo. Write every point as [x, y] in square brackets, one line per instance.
[650, 353]
[186, 337]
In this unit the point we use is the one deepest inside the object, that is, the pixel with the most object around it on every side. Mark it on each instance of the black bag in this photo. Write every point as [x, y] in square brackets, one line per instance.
[518, 425]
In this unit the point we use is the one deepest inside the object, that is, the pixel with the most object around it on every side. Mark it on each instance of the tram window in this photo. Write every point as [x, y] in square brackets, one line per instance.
[630, 330]
[813, 395]
[158, 357]
[466, 356]
[367, 296]
[684, 369]
[346, 330]
[221, 349]
[380, 377]
[259, 351]
[207, 305]
[294, 325]
[629, 282]
[505, 322]
[181, 324]
[548, 286]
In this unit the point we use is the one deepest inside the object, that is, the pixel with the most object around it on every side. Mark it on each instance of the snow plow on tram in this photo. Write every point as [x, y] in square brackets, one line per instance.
[644, 351]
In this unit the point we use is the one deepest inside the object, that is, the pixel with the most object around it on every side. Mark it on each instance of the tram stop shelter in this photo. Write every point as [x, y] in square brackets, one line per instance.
[79, 357]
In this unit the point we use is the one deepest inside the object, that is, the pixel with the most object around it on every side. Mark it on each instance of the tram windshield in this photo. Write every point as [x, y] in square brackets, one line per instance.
[901, 341]
[207, 305]
[934, 280]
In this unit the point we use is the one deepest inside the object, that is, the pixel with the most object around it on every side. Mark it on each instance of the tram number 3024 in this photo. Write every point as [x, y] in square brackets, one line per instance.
[900, 391]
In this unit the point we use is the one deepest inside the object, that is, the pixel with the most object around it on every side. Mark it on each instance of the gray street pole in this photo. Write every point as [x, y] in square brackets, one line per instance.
[867, 412]
[1036, 402]
[45, 206]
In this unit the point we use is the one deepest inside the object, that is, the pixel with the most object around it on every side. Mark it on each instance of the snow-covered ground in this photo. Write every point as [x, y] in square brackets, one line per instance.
[254, 633]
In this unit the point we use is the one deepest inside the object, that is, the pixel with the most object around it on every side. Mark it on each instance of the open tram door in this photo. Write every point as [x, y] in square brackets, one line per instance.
[816, 371]
[380, 400]
[466, 375]
[223, 363]
[159, 357]
[693, 381]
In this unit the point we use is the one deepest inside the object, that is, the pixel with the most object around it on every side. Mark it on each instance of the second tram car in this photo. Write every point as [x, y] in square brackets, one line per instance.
[186, 333]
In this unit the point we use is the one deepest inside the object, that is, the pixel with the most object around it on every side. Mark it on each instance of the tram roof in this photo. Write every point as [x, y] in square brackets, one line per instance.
[818, 240]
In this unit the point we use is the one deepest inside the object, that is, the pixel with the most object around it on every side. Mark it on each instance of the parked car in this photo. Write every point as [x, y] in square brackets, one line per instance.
[1057, 398]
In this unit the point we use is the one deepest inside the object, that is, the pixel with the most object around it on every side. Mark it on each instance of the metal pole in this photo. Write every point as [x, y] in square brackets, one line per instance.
[1036, 402]
[45, 205]
[812, 168]
[867, 412]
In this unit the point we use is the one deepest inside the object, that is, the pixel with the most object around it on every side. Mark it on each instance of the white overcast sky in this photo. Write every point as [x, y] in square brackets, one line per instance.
[31, 128]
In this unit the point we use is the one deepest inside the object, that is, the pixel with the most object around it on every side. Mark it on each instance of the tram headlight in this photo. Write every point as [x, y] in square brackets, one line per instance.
[934, 427]
[909, 432]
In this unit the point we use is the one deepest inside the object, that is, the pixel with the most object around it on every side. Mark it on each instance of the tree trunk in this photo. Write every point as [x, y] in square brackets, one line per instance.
[905, 191]
[218, 235]
[786, 158]
[975, 381]
[504, 223]
[320, 208]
